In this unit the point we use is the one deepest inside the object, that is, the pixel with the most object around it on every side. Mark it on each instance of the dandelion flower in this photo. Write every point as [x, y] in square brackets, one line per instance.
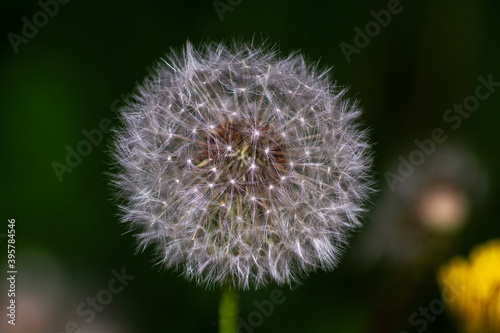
[477, 306]
[240, 166]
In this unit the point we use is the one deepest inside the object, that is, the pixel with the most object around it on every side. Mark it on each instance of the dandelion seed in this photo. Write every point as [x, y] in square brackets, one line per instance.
[251, 153]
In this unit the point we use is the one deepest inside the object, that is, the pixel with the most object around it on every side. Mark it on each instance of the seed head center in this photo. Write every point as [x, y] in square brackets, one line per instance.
[245, 155]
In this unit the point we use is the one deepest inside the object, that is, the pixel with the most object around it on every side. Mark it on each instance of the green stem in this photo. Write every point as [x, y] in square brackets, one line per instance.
[228, 309]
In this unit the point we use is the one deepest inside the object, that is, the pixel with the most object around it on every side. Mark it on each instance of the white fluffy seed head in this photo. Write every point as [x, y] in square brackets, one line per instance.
[277, 169]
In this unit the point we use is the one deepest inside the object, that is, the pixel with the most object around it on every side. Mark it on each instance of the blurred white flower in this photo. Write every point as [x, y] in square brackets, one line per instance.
[442, 208]
[417, 224]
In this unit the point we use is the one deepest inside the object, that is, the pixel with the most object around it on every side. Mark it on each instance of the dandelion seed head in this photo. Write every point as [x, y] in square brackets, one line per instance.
[277, 170]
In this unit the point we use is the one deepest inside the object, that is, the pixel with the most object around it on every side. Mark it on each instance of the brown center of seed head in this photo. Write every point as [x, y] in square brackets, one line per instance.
[243, 156]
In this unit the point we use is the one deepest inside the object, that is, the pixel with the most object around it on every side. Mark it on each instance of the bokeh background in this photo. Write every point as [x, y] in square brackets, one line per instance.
[80, 64]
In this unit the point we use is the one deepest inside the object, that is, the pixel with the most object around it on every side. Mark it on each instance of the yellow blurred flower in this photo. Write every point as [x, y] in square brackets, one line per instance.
[477, 306]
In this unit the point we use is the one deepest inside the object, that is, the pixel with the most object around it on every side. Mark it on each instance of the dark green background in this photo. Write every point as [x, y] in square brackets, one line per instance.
[65, 79]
